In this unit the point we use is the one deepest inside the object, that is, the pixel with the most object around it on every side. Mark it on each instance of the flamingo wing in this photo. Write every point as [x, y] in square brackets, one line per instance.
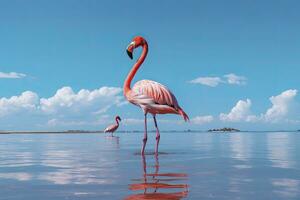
[156, 98]
[111, 128]
[159, 93]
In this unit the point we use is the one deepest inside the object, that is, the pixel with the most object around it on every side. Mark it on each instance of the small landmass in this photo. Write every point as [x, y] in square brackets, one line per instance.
[225, 129]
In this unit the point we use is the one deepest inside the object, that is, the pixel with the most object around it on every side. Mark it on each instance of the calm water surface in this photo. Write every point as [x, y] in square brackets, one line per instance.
[190, 166]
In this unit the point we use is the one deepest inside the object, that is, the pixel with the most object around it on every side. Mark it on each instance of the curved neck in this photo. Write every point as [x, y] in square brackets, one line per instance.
[117, 121]
[134, 69]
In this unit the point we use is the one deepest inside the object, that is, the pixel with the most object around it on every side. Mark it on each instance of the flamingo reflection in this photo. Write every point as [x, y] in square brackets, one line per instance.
[159, 185]
[114, 141]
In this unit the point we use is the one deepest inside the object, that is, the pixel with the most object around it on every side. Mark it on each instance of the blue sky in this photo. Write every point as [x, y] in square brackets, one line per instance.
[78, 45]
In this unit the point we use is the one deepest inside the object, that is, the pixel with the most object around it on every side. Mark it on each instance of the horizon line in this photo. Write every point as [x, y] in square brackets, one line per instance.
[129, 131]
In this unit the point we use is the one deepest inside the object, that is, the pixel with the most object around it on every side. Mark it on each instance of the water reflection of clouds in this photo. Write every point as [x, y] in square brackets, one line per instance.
[15, 159]
[237, 183]
[15, 156]
[244, 168]
[71, 167]
[279, 154]
[286, 188]
[203, 143]
[19, 176]
[240, 146]
[58, 160]
[63, 177]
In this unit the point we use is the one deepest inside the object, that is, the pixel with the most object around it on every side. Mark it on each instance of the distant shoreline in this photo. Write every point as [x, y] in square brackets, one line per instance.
[48, 132]
[134, 131]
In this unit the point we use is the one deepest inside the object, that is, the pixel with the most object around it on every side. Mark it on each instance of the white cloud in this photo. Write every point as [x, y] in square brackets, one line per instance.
[57, 122]
[66, 100]
[214, 81]
[235, 79]
[64, 108]
[67, 108]
[70, 123]
[293, 121]
[27, 101]
[100, 120]
[202, 119]
[132, 121]
[140, 121]
[12, 75]
[240, 112]
[208, 81]
[281, 105]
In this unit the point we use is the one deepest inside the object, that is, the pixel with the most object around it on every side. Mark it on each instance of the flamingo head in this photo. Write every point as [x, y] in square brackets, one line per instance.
[136, 42]
[118, 118]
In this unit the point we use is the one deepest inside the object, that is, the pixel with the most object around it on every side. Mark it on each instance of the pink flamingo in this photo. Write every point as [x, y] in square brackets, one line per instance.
[150, 96]
[112, 128]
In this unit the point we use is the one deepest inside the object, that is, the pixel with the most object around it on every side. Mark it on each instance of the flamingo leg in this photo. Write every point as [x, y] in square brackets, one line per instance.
[145, 136]
[157, 135]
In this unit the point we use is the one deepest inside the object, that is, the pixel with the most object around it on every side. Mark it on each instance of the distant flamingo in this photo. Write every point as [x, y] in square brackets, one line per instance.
[112, 128]
[151, 96]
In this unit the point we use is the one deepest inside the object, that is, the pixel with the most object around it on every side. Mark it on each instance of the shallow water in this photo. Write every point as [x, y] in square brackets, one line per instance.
[189, 166]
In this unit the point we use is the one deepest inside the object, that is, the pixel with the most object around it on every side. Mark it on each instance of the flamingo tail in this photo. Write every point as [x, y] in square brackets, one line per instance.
[183, 114]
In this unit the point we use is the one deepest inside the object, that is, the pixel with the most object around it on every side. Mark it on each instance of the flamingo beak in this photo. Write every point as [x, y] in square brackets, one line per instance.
[129, 53]
[130, 49]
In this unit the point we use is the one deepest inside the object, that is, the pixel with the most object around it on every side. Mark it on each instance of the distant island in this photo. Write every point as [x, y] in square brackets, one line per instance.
[225, 129]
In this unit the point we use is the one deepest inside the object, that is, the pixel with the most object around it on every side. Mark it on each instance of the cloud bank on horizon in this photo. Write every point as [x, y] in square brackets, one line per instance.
[67, 108]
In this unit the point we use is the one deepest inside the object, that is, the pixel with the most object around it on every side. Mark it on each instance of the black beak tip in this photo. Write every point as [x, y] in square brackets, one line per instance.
[129, 54]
